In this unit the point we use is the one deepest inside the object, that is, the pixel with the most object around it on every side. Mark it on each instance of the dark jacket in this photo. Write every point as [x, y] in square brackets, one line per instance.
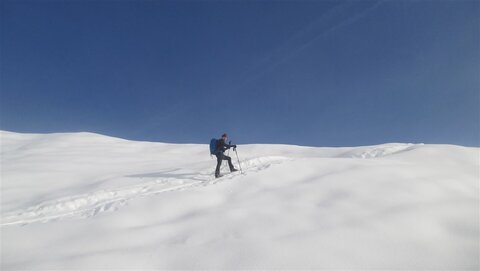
[222, 146]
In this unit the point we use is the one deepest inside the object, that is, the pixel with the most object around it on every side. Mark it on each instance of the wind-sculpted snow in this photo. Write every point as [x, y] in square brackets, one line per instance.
[85, 201]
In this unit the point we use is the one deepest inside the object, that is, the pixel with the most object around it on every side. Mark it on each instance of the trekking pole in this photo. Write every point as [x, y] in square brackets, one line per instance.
[241, 171]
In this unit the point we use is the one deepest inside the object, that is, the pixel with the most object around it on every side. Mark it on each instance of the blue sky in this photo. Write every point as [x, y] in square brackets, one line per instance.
[318, 73]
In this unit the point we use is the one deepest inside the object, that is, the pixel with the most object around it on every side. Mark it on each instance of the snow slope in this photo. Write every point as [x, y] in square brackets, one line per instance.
[87, 201]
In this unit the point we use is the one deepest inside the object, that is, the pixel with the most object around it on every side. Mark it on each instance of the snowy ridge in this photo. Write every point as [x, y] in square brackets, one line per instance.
[86, 201]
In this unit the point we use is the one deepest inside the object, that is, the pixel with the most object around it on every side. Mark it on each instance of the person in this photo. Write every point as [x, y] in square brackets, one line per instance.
[221, 147]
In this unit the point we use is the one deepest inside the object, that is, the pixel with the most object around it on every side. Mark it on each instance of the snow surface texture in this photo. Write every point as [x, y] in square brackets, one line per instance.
[86, 201]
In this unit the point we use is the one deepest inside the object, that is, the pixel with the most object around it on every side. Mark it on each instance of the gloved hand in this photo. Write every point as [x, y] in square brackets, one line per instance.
[234, 147]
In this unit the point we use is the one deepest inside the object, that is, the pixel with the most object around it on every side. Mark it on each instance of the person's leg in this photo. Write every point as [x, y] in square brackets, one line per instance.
[219, 163]
[229, 159]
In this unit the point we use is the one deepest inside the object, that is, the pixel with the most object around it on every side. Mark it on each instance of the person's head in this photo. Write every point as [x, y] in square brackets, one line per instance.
[225, 136]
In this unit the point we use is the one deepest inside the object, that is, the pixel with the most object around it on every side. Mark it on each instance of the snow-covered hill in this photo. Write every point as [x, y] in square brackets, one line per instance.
[87, 201]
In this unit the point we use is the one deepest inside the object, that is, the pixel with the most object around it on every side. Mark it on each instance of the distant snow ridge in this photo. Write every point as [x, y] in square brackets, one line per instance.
[91, 204]
[380, 150]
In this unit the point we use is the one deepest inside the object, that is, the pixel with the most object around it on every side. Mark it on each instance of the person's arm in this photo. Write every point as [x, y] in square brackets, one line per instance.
[228, 146]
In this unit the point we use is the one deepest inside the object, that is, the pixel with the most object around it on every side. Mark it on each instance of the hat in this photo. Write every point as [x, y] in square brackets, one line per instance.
[225, 135]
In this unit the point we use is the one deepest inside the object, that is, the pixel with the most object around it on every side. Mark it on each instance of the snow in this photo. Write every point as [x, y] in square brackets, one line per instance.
[87, 201]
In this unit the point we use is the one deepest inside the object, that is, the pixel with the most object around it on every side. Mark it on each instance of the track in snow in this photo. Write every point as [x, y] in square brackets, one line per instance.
[91, 204]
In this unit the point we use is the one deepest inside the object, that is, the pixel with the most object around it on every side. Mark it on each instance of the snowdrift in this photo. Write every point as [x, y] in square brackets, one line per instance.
[87, 201]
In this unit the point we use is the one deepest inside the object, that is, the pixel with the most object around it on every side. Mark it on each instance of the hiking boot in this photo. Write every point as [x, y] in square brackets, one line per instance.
[233, 169]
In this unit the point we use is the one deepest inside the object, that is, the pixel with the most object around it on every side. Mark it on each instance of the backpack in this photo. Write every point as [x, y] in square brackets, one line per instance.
[213, 145]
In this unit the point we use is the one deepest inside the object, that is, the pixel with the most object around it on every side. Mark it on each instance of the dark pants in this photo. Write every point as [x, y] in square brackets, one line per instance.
[220, 158]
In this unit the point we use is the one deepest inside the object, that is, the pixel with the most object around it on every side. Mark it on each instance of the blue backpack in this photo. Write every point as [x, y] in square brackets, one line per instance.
[213, 145]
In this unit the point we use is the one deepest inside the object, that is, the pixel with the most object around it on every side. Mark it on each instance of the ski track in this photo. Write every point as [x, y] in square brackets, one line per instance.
[107, 200]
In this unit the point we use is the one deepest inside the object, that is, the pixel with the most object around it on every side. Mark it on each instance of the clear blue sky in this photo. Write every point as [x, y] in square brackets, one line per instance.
[319, 73]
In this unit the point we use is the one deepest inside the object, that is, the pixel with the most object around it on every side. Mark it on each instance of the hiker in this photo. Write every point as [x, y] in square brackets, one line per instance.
[222, 146]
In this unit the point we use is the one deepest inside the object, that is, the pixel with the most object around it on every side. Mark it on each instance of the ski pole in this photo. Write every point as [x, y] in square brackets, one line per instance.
[241, 171]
